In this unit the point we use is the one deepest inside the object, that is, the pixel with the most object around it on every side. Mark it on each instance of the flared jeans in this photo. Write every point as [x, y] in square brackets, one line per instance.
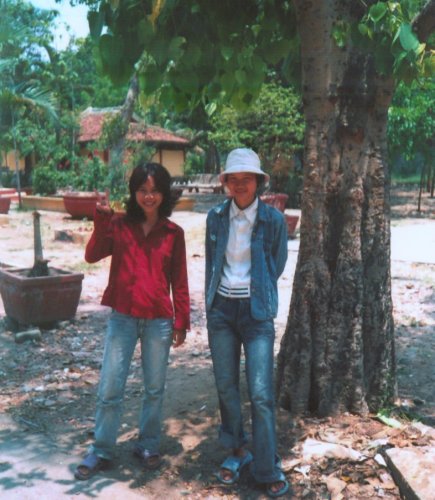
[123, 332]
[231, 326]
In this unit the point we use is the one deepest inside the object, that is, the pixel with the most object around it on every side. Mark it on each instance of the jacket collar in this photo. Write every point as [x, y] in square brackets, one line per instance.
[224, 208]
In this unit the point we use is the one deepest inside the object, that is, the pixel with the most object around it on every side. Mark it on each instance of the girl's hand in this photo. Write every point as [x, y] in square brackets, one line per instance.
[178, 337]
[103, 205]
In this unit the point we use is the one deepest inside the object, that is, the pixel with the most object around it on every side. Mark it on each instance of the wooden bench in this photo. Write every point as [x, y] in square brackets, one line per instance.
[197, 182]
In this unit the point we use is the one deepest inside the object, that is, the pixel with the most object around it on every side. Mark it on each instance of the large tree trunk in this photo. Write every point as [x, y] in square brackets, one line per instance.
[337, 353]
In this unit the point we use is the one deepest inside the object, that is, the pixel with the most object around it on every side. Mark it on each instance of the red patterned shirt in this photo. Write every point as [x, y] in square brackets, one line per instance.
[144, 270]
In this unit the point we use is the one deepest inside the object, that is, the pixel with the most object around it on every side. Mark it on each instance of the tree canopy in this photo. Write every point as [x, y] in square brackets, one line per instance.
[206, 53]
[42, 90]
[272, 126]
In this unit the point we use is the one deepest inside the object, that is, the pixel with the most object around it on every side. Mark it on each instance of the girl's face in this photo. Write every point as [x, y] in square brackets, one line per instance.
[242, 187]
[148, 198]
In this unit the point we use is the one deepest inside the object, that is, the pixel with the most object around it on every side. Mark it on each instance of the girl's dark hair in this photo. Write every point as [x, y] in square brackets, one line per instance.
[162, 181]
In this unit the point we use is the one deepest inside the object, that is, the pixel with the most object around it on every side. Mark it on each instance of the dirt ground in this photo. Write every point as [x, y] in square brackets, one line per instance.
[49, 387]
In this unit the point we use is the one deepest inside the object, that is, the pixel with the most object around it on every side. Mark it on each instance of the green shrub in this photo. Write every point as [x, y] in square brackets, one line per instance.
[45, 180]
[194, 163]
[7, 178]
[91, 173]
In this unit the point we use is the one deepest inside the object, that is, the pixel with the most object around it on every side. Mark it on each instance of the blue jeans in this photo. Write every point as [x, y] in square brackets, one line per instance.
[122, 335]
[230, 325]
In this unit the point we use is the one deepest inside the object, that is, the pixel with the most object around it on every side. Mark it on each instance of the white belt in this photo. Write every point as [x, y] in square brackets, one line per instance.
[240, 292]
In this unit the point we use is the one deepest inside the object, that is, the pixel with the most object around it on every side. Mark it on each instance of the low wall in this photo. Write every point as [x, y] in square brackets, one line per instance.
[50, 203]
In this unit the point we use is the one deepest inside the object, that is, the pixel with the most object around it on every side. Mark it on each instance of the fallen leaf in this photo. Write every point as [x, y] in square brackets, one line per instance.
[313, 449]
[335, 487]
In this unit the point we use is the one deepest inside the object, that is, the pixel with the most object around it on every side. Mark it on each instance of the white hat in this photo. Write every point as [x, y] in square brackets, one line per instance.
[243, 160]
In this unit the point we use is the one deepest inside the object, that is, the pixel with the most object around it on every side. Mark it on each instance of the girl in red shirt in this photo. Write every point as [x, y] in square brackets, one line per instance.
[148, 265]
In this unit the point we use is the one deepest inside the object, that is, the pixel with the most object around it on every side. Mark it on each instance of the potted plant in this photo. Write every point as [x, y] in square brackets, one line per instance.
[5, 203]
[278, 200]
[80, 204]
[40, 295]
[44, 188]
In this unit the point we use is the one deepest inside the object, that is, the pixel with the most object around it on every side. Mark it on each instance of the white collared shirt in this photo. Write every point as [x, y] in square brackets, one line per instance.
[236, 274]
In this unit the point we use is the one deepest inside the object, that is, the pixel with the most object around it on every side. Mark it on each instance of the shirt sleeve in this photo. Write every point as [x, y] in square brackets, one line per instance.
[280, 250]
[100, 244]
[208, 255]
[179, 283]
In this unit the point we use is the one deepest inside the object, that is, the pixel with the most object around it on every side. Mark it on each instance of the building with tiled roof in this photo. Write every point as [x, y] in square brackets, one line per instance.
[170, 148]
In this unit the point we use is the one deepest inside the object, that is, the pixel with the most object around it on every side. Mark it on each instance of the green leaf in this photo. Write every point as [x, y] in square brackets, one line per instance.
[227, 82]
[184, 81]
[420, 49]
[96, 23]
[227, 53]
[340, 36]
[110, 49]
[391, 422]
[210, 108]
[113, 62]
[240, 76]
[276, 51]
[159, 51]
[150, 80]
[377, 11]
[145, 30]
[192, 55]
[407, 38]
[175, 47]
[365, 30]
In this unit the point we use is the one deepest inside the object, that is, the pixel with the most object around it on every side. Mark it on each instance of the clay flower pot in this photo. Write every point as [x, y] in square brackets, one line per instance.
[5, 204]
[80, 204]
[277, 200]
[292, 222]
[40, 300]
[40, 295]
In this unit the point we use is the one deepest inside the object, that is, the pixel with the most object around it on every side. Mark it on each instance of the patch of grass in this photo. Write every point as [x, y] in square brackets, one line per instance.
[398, 180]
[396, 416]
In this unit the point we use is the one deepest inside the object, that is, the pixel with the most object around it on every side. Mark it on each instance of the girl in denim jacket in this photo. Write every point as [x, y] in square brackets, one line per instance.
[246, 251]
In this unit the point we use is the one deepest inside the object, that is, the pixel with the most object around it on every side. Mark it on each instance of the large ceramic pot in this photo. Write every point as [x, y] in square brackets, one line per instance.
[7, 191]
[277, 200]
[292, 222]
[40, 300]
[81, 204]
[5, 204]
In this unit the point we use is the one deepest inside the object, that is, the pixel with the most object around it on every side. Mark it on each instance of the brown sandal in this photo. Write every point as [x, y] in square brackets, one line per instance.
[90, 465]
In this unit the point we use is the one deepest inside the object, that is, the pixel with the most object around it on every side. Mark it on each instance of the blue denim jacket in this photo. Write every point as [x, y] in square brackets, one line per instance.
[268, 256]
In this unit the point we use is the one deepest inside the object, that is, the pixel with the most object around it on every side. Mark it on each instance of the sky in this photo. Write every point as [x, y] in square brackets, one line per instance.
[72, 17]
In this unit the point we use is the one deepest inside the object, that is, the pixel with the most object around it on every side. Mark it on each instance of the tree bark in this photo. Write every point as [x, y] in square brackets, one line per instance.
[337, 352]
[40, 265]
[424, 23]
[212, 160]
[126, 113]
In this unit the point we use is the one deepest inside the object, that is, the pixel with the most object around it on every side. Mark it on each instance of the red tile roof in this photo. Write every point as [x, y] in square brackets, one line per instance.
[152, 133]
[91, 125]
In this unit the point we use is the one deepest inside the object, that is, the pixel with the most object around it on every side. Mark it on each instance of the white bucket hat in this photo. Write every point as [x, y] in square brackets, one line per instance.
[243, 160]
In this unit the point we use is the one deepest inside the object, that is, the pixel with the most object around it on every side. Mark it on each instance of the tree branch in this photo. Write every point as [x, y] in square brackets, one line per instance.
[424, 23]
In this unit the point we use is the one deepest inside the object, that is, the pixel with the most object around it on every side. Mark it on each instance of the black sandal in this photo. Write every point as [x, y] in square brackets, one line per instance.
[150, 460]
[90, 465]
